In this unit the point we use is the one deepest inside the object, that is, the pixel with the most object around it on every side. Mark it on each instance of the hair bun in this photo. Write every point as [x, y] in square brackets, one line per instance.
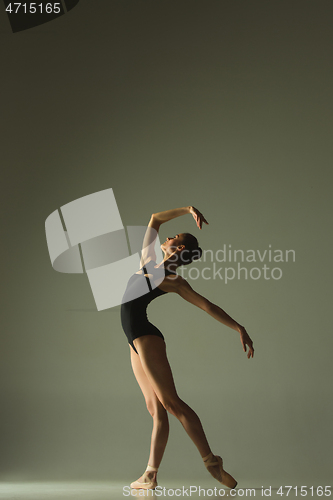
[192, 250]
[197, 253]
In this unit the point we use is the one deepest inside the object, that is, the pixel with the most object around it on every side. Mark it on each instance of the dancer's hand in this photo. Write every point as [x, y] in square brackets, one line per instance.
[246, 340]
[198, 217]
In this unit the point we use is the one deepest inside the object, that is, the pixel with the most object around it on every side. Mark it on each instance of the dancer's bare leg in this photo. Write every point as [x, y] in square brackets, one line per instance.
[152, 353]
[154, 362]
[160, 433]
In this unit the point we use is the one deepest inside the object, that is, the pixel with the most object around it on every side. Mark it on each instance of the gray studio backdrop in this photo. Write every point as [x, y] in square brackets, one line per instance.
[223, 105]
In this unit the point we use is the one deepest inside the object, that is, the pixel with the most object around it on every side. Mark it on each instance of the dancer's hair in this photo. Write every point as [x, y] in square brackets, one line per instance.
[192, 250]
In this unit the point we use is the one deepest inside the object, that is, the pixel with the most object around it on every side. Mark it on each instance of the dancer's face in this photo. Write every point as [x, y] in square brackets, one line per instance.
[172, 243]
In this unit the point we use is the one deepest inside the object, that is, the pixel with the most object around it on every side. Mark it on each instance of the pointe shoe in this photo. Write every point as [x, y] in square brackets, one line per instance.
[146, 485]
[211, 461]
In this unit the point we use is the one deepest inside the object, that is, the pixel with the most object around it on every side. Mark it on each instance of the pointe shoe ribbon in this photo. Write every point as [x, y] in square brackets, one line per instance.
[211, 462]
[147, 485]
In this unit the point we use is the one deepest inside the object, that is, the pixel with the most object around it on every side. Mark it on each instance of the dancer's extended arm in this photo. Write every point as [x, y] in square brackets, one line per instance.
[183, 288]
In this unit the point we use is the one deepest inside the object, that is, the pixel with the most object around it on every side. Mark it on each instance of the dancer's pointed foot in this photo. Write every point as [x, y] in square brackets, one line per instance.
[214, 465]
[147, 481]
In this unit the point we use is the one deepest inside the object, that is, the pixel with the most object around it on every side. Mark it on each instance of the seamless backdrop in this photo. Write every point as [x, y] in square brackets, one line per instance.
[223, 105]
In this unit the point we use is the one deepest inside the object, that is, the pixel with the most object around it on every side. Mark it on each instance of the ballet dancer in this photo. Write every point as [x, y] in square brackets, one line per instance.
[148, 349]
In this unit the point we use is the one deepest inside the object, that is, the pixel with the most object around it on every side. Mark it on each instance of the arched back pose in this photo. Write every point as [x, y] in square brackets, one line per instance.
[148, 351]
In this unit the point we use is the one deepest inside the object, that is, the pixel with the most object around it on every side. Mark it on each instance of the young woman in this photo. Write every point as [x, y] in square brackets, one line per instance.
[148, 351]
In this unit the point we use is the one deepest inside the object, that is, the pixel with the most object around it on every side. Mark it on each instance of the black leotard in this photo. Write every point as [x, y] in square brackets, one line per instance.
[133, 312]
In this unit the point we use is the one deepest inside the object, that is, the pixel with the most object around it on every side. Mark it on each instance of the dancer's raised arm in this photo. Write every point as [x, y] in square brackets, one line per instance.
[158, 218]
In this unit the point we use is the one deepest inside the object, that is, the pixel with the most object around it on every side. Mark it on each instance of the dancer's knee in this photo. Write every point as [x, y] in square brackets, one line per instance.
[156, 410]
[175, 406]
